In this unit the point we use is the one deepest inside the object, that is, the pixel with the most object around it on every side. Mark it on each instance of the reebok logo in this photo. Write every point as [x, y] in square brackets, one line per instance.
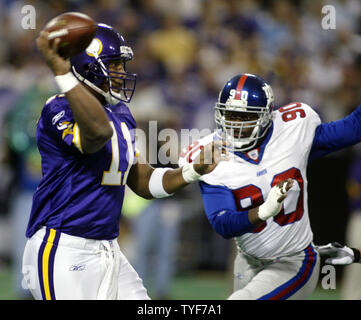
[77, 267]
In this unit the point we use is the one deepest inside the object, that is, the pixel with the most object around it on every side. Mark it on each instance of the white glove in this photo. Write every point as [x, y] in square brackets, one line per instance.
[273, 204]
[338, 254]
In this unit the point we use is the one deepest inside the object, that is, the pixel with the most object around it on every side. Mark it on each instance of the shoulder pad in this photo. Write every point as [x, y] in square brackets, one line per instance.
[54, 98]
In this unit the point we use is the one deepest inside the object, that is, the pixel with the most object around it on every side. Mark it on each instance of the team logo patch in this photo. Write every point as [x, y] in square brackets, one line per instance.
[253, 154]
[63, 125]
[222, 213]
[57, 117]
[95, 48]
[261, 173]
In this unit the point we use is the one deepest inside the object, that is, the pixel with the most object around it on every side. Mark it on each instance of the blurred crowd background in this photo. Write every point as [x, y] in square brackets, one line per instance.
[185, 50]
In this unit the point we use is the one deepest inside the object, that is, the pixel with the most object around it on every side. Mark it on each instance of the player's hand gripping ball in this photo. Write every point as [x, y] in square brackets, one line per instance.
[75, 31]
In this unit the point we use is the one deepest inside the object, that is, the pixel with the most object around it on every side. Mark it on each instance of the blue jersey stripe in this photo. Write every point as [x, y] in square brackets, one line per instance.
[298, 281]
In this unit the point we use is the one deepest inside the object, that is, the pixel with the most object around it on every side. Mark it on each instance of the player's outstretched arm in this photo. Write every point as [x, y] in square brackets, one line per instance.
[338, 254]
[93, 122]
[336, 135]
[149, 182]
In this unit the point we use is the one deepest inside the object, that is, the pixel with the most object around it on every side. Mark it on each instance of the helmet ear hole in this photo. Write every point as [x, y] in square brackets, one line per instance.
[86, 67]
[93, 71]
[93, 67]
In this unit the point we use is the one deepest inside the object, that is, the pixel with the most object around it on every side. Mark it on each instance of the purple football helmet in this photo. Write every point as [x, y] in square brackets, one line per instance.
[91, 66]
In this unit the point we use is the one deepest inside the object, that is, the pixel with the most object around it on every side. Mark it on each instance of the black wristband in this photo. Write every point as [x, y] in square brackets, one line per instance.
[356, 254]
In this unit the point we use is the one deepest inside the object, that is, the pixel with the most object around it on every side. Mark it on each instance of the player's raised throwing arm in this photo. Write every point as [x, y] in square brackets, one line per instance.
[149, 182]
[95, 129]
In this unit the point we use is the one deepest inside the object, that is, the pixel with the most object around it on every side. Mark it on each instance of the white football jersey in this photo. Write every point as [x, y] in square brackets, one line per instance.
[285, 155]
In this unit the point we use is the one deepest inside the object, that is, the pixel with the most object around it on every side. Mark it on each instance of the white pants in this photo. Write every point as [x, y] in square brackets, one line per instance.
[290, 277]
[64, 267]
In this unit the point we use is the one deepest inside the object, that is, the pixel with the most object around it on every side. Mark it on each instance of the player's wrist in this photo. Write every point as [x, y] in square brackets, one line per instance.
[61, 72]
[66, 82]
[189, 173]
[199, 168]
[155, 184]
[58, 65]
[267, 211]
[271, 206]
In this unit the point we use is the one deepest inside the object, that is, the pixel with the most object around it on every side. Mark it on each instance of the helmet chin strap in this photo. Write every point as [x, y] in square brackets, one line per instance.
[113, 97]
[107, 96]
[246, 141]
[110, 97]
[111, 100]
[239, 145]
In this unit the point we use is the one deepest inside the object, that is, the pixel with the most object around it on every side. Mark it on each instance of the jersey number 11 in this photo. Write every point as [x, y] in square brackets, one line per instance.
[114, 177]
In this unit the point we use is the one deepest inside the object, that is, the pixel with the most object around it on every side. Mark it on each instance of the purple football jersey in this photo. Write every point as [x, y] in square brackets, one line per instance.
[81, 194]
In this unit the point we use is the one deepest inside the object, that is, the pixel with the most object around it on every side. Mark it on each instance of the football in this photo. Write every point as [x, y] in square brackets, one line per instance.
[75, 30]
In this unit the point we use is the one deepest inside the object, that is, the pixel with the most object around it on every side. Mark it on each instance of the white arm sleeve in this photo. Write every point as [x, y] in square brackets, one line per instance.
[156, 183]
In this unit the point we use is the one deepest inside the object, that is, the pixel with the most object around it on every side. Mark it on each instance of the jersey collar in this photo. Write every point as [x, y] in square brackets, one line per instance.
[255, 155]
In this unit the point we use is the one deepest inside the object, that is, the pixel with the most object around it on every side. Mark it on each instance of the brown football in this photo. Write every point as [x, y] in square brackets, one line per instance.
[75, 30]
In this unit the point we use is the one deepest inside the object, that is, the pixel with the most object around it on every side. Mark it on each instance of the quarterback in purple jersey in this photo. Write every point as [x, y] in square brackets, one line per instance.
[86, 140]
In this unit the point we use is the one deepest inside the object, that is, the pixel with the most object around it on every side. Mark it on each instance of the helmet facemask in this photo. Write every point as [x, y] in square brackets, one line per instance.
[120, 85]
[242, 135]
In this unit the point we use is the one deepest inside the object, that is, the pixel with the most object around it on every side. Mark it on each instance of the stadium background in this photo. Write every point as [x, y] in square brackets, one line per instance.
[184, 52]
